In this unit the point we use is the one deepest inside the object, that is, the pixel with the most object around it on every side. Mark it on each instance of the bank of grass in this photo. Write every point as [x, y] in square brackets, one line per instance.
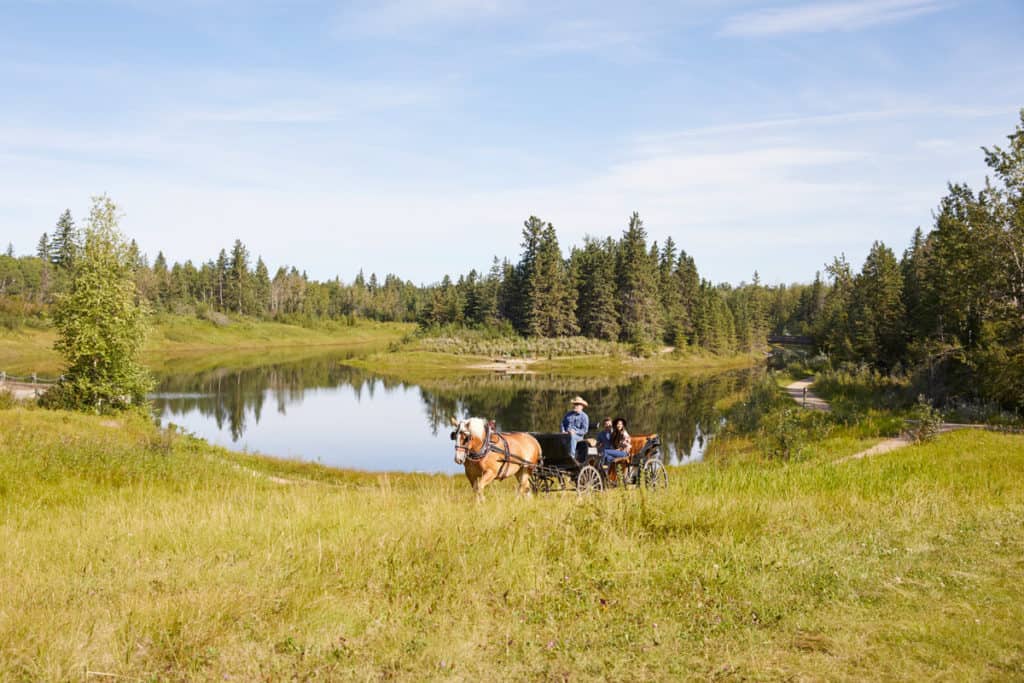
[27, 350]
[418, 365]
[143, 554]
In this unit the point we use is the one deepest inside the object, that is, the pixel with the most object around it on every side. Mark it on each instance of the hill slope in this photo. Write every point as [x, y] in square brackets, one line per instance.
[141, 553]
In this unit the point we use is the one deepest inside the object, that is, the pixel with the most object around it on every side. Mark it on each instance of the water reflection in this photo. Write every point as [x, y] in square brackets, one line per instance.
[319, 409]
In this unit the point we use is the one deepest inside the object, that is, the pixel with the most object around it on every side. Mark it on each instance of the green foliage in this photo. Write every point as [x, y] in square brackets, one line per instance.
[101, 325]
[925, 420]
[637, 277]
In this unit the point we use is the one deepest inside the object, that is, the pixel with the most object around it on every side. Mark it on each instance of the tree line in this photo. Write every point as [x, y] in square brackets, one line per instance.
[623, 289]
[950, 308]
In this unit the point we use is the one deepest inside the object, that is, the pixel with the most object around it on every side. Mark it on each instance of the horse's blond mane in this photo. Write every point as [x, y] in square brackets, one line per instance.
[476, 427]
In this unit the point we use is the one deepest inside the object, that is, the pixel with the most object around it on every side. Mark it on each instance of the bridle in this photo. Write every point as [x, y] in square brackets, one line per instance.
[485, 447]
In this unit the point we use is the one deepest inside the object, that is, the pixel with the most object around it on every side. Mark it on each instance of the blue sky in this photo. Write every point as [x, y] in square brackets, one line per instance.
[415, 137]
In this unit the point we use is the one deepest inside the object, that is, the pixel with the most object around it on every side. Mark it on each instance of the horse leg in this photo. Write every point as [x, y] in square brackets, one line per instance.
[523, 475]
[485, 478]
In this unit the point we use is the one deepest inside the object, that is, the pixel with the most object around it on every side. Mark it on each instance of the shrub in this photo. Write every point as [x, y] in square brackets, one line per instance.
[100, 323]
[926, 421]
[781, 435]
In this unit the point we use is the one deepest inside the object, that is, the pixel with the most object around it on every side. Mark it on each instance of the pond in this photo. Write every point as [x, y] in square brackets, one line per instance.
[319, 409]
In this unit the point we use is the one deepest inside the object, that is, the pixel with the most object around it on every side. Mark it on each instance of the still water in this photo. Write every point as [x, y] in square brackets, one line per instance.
[319, 409]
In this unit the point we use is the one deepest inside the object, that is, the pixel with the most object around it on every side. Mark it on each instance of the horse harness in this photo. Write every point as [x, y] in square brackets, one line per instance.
[488, 447]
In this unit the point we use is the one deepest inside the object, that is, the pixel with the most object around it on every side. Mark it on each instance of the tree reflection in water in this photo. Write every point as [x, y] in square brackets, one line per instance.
[680, 408]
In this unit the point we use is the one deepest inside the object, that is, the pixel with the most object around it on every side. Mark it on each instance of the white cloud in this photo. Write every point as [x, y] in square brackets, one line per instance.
[827, 16]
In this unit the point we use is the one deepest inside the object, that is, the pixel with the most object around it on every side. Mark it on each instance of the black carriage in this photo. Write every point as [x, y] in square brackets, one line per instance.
[585, 472]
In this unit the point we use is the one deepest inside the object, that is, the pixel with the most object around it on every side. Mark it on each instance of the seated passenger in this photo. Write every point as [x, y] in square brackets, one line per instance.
[604, 437]
[620, 442]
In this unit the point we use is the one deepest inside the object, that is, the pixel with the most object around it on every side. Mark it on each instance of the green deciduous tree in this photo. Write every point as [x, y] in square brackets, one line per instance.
[100, 323]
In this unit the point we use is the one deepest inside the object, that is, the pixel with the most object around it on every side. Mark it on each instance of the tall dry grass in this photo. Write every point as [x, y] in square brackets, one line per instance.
[153, 556]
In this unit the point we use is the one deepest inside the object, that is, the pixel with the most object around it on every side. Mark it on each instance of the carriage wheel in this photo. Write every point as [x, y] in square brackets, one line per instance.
[653, 475]
[588, 481]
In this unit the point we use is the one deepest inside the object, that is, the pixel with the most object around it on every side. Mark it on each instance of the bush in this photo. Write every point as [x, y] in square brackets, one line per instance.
[764, 397]
[926, 421]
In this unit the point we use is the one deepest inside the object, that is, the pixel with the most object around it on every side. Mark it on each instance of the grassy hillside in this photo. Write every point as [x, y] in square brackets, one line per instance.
[31, 350]
[149, 555]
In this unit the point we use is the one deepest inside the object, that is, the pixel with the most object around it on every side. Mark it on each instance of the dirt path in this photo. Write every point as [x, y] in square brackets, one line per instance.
[801, 393]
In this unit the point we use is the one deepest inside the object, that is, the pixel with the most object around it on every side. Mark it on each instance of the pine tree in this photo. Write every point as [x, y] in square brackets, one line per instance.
[550, 303]
[877, 308]
[261, 287]
[220, 275]
[596, 310]
[833, 330]
[239, 294]
[688, 283]
[43, 248]
[637, 286]
[64, 245]
[674, 318]
[10, 250]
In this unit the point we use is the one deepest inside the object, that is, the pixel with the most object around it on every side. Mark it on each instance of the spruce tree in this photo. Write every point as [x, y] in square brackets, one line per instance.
[261, 287]
[43, 248]
[550, 302]
[64, 245]
[220, 277]
[596, 309]
[673, 315]
[239, 294]
[636, 276]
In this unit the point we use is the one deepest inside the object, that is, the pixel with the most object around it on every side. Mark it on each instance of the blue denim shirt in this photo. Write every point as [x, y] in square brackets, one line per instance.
[604, 439]
[578, 421]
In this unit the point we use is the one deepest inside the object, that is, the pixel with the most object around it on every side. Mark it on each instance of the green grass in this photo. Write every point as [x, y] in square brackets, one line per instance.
[178, 337]
[152, 555]
[419, 365]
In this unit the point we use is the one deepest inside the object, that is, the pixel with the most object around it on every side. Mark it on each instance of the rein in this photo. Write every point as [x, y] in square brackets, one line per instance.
[487, 447]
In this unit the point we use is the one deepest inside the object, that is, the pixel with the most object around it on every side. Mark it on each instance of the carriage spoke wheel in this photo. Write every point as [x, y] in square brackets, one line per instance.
[653, 475]
[627, 475]
[589, 481]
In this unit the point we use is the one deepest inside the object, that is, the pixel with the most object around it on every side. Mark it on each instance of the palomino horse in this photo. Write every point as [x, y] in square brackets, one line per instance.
[489, 455]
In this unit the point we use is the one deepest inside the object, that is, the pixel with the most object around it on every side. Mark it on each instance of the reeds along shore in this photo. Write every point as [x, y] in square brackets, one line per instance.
[142, 553]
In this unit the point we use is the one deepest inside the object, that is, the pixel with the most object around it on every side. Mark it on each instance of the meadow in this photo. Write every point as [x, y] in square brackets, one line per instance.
[145, 554]
[189, 340]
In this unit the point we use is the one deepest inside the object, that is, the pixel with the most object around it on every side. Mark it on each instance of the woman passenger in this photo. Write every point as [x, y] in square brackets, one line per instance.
[620, 442]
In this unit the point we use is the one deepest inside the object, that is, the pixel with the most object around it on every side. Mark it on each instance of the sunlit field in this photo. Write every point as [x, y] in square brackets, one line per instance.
[144, 554]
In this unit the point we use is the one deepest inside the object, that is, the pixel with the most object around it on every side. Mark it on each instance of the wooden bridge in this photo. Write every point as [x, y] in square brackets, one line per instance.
[793, 339]
[27, 387]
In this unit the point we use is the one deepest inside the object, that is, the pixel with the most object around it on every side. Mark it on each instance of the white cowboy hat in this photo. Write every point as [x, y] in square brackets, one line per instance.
[580, 401]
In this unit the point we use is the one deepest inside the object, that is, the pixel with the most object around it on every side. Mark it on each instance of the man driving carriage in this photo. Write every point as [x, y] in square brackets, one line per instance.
[575, 424]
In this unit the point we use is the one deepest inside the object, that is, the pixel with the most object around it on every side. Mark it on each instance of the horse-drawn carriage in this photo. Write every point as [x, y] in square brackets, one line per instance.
[545, 462]
[585, 472]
